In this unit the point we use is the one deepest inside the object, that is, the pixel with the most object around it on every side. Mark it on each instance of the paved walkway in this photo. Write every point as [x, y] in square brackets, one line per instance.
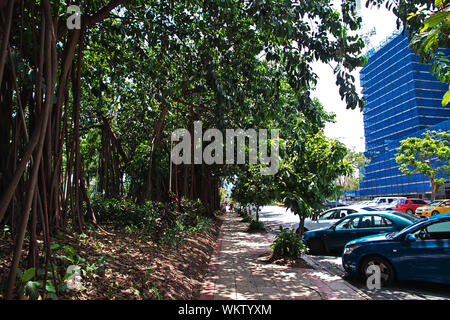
[237, 271]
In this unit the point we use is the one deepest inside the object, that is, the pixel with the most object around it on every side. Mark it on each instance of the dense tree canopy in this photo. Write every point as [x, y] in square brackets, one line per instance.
[88, 112]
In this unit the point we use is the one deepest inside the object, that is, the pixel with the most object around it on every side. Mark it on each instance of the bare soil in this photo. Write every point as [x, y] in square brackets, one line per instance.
[134, 268]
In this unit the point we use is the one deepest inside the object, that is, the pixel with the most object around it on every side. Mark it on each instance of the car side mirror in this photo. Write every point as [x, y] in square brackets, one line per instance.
[410, 237]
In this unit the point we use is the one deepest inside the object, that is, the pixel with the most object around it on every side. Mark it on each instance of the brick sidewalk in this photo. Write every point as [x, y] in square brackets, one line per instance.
[237, 272]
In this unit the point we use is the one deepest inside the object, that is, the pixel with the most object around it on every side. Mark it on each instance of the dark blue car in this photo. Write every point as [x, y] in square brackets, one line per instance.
[419, 252]
[355, 226]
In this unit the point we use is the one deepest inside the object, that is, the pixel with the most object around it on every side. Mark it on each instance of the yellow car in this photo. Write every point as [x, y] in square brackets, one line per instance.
[433, 208]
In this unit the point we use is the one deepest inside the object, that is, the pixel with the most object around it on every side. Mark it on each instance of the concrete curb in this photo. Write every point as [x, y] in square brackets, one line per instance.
[323, 286]
[324, 268]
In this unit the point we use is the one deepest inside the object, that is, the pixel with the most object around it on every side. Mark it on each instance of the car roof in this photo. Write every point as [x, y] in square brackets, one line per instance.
[386, 213]
[422, 222]
[370, 213]
[440, 200]
[352, 206]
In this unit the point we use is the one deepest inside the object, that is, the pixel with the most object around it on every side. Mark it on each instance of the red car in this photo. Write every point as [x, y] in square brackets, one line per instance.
[409, 205]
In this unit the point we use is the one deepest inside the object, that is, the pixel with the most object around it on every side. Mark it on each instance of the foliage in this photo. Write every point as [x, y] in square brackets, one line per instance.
[256, 226]
[253, 188]
[428, 155]
[309, 168]
[287, 244]
[163, 223]
[247, 218]
[357, 162]
[88, 113]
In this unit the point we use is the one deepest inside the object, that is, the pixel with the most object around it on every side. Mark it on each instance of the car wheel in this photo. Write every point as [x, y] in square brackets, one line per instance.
[409, 211]
[434, 213]
[387, 272]
[316, 246]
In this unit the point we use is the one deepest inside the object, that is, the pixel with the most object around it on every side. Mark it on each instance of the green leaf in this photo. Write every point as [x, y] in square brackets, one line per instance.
[55, 246]
[52, 296]
[434, 20]
[50, 287]
[446, 98]
[438, 3]
[28, 275]
[69, 250]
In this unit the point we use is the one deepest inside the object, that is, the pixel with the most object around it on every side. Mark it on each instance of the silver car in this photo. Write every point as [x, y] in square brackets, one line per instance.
[329, 217]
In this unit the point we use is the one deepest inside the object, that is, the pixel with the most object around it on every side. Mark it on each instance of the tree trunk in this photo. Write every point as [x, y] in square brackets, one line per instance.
[433, 189]
[5, 38]
[50, 43]
[156, 134]
[301, 225]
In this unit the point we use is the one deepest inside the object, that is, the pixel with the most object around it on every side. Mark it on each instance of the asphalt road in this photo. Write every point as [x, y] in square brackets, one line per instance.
[275, 216]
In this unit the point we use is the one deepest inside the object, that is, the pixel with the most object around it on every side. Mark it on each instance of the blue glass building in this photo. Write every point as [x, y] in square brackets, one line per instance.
[402, 100]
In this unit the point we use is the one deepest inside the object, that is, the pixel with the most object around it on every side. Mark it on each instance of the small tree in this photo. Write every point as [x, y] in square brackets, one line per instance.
[357, 162]
[253, 187]
[428, 155]
[309, 169]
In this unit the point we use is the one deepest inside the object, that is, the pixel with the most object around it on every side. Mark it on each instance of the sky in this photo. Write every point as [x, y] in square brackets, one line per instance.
[349, 127]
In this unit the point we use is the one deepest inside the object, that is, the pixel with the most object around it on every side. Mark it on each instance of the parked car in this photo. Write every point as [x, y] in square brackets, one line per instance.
[355, 226]
[409, 205]
[334, 204]
[434, 208]
[389, 206]
[418, 252]
[331, 216]
[380, 201]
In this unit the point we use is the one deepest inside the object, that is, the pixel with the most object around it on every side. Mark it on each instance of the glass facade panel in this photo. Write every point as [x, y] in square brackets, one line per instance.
[402, 99]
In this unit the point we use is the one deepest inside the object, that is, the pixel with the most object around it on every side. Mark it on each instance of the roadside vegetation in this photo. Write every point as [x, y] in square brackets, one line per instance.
[86, 117]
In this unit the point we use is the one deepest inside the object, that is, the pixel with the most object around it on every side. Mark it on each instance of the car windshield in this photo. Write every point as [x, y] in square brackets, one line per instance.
[327, 214]
[434, 203]
[408, 216]
[403, 201]
[406, 230]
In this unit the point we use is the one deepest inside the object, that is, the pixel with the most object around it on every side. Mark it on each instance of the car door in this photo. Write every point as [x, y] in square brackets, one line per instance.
[428, 256]
[323, 220]
[416, 203]
[334, 217]
[343, 232]
[372, 224]
[445, 207]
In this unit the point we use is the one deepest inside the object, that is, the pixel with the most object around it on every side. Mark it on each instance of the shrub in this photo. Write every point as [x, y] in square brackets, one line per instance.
[241, 211]
[164, 223]
[287, 244]
[256, 226]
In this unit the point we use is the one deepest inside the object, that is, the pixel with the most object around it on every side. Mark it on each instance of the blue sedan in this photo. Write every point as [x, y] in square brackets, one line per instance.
[419, 252]
[355, 226]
